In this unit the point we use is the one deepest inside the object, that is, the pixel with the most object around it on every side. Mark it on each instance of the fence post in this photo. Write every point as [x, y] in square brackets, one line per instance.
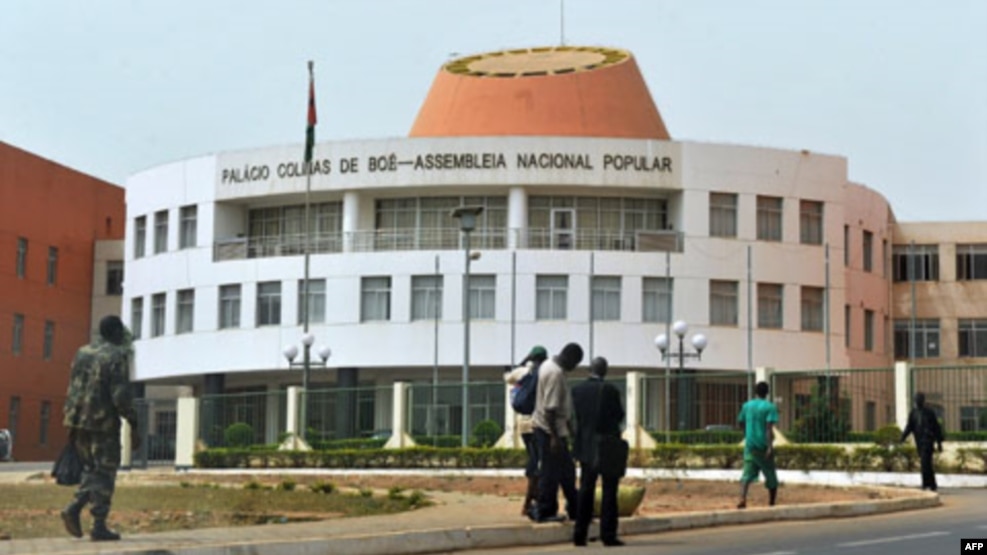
[509, 439]
[126, 453]
[637, 437]
[902, 393]
[293, 442]
[187, 432]
[399, 419]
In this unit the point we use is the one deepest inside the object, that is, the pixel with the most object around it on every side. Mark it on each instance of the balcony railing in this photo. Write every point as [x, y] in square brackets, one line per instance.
[240, 248]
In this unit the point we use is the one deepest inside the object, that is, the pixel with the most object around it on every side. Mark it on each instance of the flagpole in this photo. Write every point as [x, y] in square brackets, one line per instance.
[309, 143]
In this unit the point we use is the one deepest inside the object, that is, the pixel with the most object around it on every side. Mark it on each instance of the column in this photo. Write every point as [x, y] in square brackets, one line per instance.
[399, 418]
[902, 393]
[187, 432]
[517, 218]
[351, 221]
[635, 434]
[510, 438]
[293, 442]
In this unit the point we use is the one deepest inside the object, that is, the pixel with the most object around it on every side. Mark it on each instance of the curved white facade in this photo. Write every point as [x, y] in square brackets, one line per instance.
[679, 178]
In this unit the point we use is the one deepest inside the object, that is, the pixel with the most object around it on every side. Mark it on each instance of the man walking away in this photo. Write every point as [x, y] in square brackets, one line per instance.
[551, 420]
[923, 424]
[99, 395]
[530, 364]
[759, 416]
[598, 412]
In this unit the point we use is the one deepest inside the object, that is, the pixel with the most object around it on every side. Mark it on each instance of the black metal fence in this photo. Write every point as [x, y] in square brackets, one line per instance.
[157, 422]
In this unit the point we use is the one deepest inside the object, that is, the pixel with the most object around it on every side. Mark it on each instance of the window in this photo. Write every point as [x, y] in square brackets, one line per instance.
[811, 222]
[187, 227]
[870, 416]
[21, 257]
[44, 421]
[918, 261]
[770, 305]
[656, 299]
[846, 326]
[601, 223]
[606, 298]
[13, 415]
[269, 303]
[926, 336]
[971, 262]
[846, 245]
[868, 330]
[140, 236]
[973, 338]
[316, 301]
[551, 297]
[868, 251]
[49, 340]
[421, 223]
[375, 299]
[280, 230]
[137, 316]
[722, 215]
[229, 306]
[160, 231]
[812, 308]
[483, 294]
[426, 297]
[723, 301]
[185, 311]
[52, 272]
[158, 314]
[18, 341]
[973, 419]
[769, 212]
[884, 258]
[114, 278]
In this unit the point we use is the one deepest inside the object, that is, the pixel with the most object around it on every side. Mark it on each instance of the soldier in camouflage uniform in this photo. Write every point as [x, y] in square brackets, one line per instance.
[99, 395]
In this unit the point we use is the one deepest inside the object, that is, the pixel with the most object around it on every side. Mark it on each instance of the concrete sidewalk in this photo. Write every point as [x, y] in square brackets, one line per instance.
[456, 522]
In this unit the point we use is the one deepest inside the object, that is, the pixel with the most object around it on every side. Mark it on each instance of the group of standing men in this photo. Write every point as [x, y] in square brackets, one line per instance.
[585, 413]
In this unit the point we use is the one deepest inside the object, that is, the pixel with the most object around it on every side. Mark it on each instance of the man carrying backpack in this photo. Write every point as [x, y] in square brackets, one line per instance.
[524, 380]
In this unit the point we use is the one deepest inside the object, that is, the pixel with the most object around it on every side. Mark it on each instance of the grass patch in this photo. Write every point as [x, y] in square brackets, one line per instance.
[31, 510]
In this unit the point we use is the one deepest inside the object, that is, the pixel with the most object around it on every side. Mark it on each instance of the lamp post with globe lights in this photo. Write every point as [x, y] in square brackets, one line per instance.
[290, 353]
[662, 342]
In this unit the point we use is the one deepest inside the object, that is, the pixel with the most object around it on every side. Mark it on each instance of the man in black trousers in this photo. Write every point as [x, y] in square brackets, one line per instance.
[598, 412]
[923, 424]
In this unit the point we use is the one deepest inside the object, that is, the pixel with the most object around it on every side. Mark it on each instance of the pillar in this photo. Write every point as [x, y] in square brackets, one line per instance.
[351, 221]
[902, 393]
[635, 434]
[293, 442]
[517, 218]
[187, 432]
[510, 438]
[399, 418]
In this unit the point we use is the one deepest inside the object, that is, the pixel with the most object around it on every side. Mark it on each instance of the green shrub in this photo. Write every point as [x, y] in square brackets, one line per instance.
[322, 487]
[396, 493]
[287, 485]
[239, 434]
[485, 434]
[826, 418]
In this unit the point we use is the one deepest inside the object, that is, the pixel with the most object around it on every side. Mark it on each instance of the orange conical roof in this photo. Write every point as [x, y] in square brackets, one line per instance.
[561, 90]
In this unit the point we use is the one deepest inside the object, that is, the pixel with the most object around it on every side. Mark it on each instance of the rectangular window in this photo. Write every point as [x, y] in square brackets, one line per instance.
[973, 338]
[483, 294]
[723, 303]
[269, 303]
[971, 262]
[114, 278]
[918, 262]
[44, 422]
[868, 251]
[884, 258]
[375, 299]
[770, 305]
[812, 308]
[52, 273]
[187, 227]
[185, 311]
[426, 297]
[280, 230]
[158, 309]
[229, 306]
[769, 213]
[606, 298]
[811, 222]
[18, 340]
[21, 257]
[973, 419]
[846, 326]
[160, 231]
[137, 316]
[316, 301]
[656, 299]
[926, 339]
[140, 236]
[722, 215]
[551, 297]
[868, 330]
[14, 415]
[49, 343]
[846, 245]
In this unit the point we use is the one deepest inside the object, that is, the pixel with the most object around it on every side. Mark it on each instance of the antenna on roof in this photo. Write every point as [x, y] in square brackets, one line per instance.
[562, 22]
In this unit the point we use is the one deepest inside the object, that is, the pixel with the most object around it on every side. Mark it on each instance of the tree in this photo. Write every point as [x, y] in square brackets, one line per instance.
[826, 417]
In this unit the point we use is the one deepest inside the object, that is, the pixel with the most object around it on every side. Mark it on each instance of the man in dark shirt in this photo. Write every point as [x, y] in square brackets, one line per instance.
[924, 425]
[598, 412]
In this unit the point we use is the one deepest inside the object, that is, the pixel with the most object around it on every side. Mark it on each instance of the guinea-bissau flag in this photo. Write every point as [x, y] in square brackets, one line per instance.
[310, 130]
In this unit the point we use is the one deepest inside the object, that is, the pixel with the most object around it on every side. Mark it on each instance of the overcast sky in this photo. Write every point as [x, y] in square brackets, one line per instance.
[898, 87]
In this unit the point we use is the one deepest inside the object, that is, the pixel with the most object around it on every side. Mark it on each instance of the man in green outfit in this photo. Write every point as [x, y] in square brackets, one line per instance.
[759, 416]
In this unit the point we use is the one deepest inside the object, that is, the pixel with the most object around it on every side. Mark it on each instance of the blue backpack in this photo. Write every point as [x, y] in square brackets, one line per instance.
[524, 392]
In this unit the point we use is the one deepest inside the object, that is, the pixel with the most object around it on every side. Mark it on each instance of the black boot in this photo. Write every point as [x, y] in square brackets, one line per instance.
[772, 496]
[70, 518]
[101, 533]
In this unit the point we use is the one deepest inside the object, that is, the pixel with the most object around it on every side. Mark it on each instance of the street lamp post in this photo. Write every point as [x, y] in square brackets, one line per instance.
[290, 352]
[699, 342]
[467, 223]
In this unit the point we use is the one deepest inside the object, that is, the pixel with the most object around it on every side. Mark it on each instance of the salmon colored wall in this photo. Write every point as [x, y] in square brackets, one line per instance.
[51, 206]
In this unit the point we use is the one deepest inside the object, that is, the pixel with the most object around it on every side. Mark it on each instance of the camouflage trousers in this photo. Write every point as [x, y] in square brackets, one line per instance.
[100, 454]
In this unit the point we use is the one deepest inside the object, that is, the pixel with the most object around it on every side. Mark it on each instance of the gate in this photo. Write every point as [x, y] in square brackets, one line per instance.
[157, 422]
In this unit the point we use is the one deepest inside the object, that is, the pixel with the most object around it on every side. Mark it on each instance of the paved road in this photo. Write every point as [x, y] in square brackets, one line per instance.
[926, 532]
